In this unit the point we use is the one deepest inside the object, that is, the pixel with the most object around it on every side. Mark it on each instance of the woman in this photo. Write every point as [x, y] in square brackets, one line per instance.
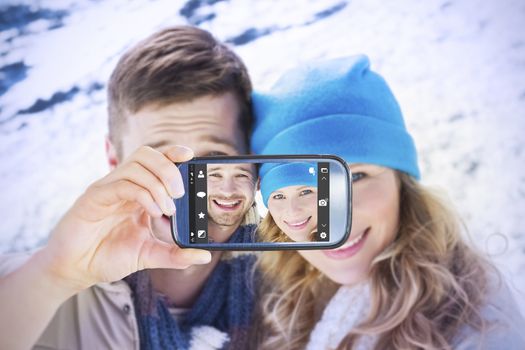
[405, 279]
[289, 191]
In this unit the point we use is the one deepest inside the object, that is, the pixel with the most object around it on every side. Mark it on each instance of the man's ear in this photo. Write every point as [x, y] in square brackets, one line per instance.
[258, 184]
[111, 154]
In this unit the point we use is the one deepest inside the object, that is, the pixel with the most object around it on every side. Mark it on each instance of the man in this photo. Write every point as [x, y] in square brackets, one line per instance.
[177, 94]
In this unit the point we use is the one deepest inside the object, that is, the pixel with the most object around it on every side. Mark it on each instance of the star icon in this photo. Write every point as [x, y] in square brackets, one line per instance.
[201, 215]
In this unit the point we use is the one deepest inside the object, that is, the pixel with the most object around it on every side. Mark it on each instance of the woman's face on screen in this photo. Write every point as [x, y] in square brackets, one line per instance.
[294, 210]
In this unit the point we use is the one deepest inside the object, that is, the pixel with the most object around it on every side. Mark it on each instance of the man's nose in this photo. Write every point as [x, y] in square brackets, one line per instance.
[228, 186]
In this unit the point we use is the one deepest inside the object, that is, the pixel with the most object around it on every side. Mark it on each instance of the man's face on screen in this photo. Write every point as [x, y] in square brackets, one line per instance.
[231, 192]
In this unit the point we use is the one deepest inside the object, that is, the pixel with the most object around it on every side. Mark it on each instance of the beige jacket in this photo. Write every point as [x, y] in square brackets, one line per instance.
[101, 317]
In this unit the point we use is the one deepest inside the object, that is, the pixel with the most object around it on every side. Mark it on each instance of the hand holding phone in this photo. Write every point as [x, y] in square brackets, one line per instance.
[263, 203]
[106, 234]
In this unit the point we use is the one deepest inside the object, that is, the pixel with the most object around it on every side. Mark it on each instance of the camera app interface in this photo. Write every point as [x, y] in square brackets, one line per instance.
[288, 201]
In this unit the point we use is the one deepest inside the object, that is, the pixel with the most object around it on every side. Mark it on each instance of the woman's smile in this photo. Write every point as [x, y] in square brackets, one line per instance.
[298, 224]
[350, 248]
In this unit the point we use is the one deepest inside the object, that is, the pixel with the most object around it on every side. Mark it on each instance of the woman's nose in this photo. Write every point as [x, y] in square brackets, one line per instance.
[294, 207]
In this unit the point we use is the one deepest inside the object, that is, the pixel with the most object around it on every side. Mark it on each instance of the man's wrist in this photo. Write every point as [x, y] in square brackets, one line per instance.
[56, 286]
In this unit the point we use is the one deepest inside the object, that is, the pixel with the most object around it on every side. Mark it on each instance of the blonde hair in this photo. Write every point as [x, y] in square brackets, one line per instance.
[425, 286]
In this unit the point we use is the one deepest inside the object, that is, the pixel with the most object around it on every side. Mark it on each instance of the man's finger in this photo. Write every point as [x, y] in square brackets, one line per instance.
[136, 173]
[163, 167]
[108, 195]
[178, 153]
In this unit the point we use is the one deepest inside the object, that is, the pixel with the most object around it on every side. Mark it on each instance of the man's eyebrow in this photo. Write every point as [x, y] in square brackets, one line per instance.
[218, 140]
[244, 170]
[158, 144]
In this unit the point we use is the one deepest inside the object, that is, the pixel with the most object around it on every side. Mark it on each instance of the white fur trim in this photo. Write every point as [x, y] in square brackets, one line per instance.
[207, 338]
[346, 309]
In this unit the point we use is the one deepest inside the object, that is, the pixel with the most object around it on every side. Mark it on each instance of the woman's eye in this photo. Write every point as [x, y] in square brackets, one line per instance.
[278, 196]
[305, 192]
[357, 176]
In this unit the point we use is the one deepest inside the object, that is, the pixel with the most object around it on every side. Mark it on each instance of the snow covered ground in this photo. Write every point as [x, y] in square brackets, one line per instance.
[457, 68]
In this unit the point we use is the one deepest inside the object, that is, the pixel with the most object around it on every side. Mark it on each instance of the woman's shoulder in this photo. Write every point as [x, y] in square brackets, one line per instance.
[505, 325]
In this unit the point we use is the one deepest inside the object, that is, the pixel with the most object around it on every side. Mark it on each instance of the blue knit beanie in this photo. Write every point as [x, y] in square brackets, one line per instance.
[336, 107]
[275, 176]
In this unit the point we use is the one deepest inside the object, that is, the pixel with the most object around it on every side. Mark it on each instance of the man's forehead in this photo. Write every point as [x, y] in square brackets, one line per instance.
[195, 106]
[208, 122]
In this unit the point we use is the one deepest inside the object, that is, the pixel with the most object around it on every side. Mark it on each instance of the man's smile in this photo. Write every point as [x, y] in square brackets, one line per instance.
[227, 204]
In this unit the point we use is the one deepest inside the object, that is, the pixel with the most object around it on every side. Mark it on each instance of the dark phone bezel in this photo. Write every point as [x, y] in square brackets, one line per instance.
[272, 246]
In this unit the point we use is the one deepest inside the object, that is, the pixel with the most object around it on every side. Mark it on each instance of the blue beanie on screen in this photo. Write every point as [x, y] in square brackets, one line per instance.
[275, 176]
[339, 107]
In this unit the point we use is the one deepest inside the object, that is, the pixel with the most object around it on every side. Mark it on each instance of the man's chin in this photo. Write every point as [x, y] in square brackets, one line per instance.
[227, 221]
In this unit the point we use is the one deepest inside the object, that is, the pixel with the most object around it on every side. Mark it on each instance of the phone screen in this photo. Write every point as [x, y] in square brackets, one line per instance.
[268, 202]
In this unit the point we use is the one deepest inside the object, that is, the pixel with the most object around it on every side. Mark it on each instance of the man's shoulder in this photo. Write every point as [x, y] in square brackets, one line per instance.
[97, 316]
[101, 316]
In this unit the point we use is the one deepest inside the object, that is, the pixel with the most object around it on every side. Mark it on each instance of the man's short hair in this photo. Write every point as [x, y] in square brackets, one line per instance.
[177, 64]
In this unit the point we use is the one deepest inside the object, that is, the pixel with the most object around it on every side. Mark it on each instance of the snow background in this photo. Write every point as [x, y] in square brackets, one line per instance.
[457, 68]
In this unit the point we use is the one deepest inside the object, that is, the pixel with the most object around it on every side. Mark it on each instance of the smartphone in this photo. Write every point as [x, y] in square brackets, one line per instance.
[275, 202]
